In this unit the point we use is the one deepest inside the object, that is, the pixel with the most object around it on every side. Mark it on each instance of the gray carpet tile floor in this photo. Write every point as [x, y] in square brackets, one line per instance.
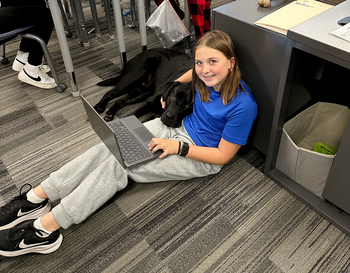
[238, 220]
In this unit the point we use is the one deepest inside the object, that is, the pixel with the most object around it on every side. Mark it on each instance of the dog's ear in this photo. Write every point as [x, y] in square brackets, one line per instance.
[168, 87]
[192, 90]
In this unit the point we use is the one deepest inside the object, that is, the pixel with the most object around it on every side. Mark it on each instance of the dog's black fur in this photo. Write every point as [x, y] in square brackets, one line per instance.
[147, 77]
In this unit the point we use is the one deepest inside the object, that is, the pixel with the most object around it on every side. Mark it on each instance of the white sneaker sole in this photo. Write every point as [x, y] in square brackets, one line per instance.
[31, 216]
[44, 249]
[25, 79]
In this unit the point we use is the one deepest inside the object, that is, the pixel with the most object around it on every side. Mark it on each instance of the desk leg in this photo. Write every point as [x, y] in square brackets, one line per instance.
[142, 23]
[108, 19]
[64, 18]
[95, 18]
[81, 21]
[62, 40]
[120, 31]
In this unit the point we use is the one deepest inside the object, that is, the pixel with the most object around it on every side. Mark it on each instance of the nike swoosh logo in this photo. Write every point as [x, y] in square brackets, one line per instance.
[20, 213]
[20, 61]
[38, 79]
[23, 245]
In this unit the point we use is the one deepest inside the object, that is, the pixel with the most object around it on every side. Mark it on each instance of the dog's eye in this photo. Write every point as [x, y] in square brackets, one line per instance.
[172, 97]
[187, 106]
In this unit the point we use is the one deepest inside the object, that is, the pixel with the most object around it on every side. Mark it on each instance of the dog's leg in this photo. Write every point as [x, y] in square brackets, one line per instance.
[100, 107]
[110, 82]
[136, 95]
[152, 105]
[122, 88]
[134, 75]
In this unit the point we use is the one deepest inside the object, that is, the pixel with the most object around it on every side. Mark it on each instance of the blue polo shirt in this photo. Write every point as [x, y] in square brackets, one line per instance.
[212, 121]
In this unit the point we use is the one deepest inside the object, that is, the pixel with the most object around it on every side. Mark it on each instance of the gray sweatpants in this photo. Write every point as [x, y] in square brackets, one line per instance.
[91, 179]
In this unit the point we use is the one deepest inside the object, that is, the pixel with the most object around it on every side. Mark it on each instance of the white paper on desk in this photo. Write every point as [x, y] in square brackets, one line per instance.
[291, 15]
[343, 32]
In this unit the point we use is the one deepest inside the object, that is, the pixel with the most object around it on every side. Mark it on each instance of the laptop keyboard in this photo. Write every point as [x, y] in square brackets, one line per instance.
[132, 150]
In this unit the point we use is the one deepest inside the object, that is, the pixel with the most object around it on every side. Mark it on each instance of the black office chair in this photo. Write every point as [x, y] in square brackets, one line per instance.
[8, 36]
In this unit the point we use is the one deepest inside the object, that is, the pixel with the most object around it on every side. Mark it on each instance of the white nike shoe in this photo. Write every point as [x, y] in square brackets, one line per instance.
[25, 238]
[36, 76]
[21, 60]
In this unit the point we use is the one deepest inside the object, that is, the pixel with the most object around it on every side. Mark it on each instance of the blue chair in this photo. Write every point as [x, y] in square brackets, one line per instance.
[8, 36]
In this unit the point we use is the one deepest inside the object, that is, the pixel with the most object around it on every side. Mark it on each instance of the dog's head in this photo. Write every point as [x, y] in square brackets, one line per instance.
[179, 103]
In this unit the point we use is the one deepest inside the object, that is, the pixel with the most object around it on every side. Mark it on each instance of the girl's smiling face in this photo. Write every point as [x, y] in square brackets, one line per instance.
[212, 67]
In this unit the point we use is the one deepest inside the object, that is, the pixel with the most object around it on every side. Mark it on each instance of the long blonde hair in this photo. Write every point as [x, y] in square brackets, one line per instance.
[220, 41]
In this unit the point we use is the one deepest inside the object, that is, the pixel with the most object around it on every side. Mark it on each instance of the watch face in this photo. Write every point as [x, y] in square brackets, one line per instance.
[185, 148]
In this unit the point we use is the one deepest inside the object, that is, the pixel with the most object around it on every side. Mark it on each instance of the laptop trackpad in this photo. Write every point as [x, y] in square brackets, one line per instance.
[143, 134]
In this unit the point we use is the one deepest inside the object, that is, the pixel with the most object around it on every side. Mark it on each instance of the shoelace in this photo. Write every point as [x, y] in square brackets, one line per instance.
[42, 66]
[19, 231]
[13, 203]
[18, 200]
[43, 75]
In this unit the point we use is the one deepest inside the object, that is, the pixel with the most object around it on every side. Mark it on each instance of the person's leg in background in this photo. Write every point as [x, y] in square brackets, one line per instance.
[201, 17]
[27, 45]
[30, 53]
[207, 16]
[27, 3]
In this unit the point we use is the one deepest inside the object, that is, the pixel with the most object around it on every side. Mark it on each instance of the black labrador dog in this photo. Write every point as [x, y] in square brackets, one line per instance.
[146, 78]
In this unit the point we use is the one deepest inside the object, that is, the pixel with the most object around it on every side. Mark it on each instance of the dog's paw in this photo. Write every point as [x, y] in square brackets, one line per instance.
[108, 117]
[99, 109]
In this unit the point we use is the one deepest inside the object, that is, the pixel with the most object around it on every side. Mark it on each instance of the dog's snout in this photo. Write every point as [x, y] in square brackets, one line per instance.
[169, 116]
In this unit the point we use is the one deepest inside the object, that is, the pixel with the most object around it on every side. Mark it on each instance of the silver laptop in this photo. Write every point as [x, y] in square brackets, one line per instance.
[127, 138]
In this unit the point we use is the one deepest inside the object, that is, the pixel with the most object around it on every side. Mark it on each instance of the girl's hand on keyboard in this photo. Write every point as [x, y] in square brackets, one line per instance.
[168, 146]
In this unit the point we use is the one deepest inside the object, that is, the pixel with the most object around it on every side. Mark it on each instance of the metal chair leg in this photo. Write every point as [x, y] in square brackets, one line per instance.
[3, 58]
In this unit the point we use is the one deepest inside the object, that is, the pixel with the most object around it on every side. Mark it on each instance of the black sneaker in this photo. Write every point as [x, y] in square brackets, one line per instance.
[19, 209]
[25, 238]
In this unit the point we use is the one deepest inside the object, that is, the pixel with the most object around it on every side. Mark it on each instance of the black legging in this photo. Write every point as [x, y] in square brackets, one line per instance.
[19, 13]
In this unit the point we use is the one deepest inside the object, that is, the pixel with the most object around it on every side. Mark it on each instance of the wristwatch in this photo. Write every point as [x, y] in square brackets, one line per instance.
[184, 149]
